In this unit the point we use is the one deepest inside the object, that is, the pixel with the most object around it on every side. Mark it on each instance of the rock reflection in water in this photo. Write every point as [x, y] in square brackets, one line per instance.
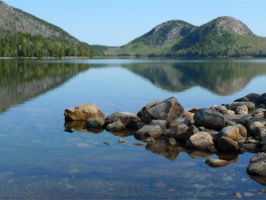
[259, 179]
[80, 126]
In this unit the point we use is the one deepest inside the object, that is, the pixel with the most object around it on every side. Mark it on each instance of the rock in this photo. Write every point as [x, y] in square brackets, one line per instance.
[171, 141]
[262, 99]
[228, 112]
[232, 157]
[159, 122]
[143, 122]
[209, 119]
[238, 195]
[256, 129]
[263, 191]
[221, 109]
[169, 110]
[138, 144]
[230, 132]
[107, 143]
[116, 126]
[95, 122]
[242, 131]
[252, 97]
[192, 130]
[251, 106]
[211, 149]
[83, 112]
[199, 154]
[227, 145]
[142, 113]
[127, 119]
[177, 122]
[260, 112]
[193, 110]
[149, 131]
[201, 140]
[149, 140]
[213, 107]
[261, 106]
[216, 162]
[121, 141]
[180, 132]
[248, 194]
[189, 116]
[251, 147]
[257, 165]
[242, 110]
[229, 123]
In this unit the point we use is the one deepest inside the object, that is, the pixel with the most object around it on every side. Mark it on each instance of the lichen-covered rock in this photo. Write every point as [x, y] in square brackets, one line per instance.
[83, 112]
[142, 113]
[168, 110]
[257, 165]
[95, 122]
[116, 126]
[216, 162]
[149, 131]
[209, 119]
[127, 119]
[201, 140]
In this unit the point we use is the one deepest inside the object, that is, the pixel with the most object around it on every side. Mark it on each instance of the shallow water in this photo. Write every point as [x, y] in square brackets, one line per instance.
[40, 160]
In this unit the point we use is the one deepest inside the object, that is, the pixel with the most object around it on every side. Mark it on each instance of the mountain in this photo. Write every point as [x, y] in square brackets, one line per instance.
[22, 34]
[160, 38]
[224, 36]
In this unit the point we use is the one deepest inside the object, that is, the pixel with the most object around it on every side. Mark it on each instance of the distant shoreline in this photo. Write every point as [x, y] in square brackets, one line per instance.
[45, 58]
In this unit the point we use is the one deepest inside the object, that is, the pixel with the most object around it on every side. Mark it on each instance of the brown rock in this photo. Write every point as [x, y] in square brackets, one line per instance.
[83, 112]
[193, 110]
[189, 116]
[201, 140]
[262, 191]
[242, 110]
[216, 162]
[227, 145]
[121, 141]
[256, 129]
[257, 165]
[139, 144]
[127, 119]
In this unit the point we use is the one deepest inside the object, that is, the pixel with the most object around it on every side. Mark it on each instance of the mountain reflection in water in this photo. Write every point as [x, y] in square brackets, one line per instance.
[22, 80]
[221, 78]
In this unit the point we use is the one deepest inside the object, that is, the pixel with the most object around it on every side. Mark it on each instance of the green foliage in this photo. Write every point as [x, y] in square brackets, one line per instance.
[16, 44]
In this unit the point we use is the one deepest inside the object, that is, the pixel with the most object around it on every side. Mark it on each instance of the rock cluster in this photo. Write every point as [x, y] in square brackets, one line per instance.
[236, 127]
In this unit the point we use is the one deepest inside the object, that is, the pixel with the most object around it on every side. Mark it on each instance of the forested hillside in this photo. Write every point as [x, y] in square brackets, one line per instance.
[24, 35]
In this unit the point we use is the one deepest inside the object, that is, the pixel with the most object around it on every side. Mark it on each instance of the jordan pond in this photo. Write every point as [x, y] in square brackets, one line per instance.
[44, 156]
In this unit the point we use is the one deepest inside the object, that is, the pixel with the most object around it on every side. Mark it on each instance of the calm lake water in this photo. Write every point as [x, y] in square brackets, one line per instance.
[40, 160]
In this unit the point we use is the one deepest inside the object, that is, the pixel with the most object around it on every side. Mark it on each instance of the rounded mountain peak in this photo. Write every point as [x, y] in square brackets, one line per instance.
[232, 24]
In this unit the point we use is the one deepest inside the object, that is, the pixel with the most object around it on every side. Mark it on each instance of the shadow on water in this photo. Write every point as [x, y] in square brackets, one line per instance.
[22, 80]
[221, 78]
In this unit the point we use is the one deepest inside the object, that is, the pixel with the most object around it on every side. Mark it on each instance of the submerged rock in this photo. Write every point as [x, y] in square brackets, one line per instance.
[216, 162]
[83, 112]
[209, 118]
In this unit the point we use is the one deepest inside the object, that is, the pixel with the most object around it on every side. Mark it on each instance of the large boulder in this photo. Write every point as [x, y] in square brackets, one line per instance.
[83, 112]
[209, 118]
[256, 128]
[127, 119]
[142, 113]
[168, 110]
[201, 140]
[252, 97]
[257, 165]
[149, 131]
[233, 133]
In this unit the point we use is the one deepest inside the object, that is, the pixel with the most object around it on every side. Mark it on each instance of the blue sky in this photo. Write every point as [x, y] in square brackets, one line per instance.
[117, 22]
